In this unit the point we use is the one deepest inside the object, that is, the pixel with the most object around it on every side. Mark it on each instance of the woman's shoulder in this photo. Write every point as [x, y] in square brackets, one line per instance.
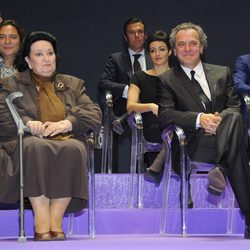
[70, 81]
[143, 75]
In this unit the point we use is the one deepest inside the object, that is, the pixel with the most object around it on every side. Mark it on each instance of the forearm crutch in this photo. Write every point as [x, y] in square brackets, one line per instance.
[20, 129]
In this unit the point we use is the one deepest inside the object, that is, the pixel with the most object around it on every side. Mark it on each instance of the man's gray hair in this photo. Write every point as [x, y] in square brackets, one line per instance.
[187, 26]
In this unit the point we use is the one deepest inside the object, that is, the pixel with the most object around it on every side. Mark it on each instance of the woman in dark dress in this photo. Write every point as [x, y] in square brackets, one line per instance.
[59, 113]
[142, 96]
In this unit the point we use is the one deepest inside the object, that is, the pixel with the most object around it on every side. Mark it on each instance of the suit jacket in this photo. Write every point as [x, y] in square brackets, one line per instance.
[179, 104]
[242, 74]
[242, 79]
[116, 75]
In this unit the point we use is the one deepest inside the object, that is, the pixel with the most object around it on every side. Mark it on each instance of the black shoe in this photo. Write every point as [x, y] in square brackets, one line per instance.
[247, 232]
[153, 176]
[216, 182]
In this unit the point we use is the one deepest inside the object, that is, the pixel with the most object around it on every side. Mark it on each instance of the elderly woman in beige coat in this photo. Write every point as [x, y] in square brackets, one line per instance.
[59, 113]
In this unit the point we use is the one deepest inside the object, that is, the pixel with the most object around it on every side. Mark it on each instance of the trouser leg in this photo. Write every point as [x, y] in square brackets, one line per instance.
[232, 143]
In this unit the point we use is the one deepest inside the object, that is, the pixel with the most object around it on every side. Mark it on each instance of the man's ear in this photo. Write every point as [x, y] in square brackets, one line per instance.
[201, 50]
[125, 37]
[174, 50]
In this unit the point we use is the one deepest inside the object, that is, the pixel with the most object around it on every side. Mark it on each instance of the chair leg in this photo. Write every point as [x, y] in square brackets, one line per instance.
[140, 156]
[230, 213]
[165, 193]
[91, 185]
[133, 163]
[71, 224]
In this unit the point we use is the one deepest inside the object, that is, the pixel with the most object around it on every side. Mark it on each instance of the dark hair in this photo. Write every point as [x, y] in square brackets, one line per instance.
[130, 21]
[19, 28]
[24, 51]
[158, 36]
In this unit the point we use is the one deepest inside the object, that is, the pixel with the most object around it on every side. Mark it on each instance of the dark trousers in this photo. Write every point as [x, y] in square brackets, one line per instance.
[232, 154]
[228, 149]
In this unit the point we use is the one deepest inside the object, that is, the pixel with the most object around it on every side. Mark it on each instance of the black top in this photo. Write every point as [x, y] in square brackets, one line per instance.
[147, 85]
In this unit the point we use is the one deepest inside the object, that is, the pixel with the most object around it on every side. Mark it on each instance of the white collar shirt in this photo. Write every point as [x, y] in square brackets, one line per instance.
[200, 77]
[141, 59]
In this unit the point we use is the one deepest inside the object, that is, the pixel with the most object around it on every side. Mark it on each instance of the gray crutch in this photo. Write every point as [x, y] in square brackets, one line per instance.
[20, 129]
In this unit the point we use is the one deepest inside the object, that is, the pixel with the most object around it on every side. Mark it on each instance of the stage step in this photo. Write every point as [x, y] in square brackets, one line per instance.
[114, 217]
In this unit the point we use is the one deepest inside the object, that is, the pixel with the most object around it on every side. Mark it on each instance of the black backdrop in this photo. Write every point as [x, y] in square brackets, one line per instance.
[87, 31]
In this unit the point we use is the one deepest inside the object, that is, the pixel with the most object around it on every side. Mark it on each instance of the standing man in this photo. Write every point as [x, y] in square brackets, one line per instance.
[201, 99]
[118, 71]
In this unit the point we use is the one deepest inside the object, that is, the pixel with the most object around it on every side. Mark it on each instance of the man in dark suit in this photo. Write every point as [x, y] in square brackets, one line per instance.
[242, 81]
[202, 100]
[119, 66]
[118, 72]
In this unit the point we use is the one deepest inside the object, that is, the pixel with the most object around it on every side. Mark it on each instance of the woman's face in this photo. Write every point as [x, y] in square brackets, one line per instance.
[42, 58]
[9, 41]
[159, 52]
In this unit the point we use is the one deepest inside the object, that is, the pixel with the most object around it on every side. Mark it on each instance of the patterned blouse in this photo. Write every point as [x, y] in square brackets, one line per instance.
[5, 70]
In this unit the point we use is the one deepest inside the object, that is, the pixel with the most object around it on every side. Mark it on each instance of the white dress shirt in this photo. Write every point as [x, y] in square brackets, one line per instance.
[141, 60]
[201, 79]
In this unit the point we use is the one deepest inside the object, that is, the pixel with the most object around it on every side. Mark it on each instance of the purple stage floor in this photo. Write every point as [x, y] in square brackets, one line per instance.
[134, 242]
[119, 227]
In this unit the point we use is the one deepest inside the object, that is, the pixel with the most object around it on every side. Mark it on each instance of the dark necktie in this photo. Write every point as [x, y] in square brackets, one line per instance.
[136, 65]
[203, 97]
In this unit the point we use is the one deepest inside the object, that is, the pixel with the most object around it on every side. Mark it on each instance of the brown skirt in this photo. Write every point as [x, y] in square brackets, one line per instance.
[55, 169]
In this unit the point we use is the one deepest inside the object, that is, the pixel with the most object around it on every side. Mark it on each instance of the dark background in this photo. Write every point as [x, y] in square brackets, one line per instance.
[87, 31]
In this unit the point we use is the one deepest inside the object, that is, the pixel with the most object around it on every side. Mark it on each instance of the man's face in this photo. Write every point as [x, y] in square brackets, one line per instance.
[188, 48]
[135, 36]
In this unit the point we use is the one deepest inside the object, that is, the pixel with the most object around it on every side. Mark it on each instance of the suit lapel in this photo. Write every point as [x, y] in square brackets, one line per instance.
[211, 83]
[188, 86]
[127, 64]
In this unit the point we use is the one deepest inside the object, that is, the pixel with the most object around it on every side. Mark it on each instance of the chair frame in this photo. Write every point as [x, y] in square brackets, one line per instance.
[138, 148]
[107, 146]
[185, 164]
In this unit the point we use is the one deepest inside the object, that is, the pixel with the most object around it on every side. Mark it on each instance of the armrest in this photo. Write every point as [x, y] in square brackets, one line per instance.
[135, 121]
[108, 99]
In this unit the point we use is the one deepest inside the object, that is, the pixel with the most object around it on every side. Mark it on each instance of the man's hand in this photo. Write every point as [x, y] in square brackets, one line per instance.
[210, 122]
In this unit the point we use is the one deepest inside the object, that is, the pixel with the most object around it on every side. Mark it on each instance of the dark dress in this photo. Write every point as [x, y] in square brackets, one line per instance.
[53, 168]
[151, 128]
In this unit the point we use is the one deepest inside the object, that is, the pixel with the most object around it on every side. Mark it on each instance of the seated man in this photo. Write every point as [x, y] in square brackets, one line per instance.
[201, 99]
[118, 71]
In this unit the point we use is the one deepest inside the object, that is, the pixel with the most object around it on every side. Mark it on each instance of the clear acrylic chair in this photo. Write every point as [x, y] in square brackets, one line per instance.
[138, 148]
[91, 187]
[186, 166]
[107, 146]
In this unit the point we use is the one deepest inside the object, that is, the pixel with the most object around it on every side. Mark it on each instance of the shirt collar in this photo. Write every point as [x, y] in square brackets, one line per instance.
[198, 70]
